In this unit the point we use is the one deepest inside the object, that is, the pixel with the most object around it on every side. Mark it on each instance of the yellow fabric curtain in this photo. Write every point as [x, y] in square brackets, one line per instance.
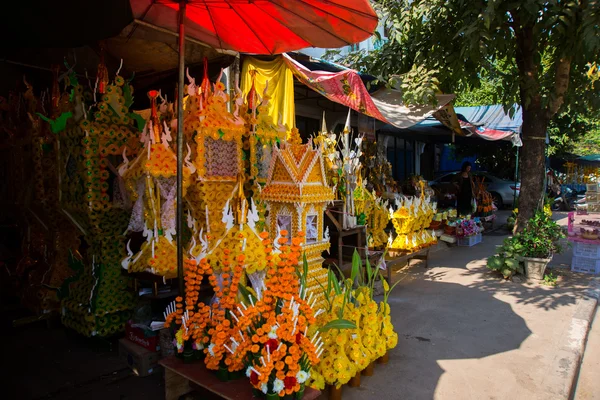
[280, 91]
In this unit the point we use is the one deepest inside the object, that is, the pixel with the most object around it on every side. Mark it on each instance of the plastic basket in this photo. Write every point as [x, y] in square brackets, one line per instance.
[585, 265]
[586, 250]
[469, 241]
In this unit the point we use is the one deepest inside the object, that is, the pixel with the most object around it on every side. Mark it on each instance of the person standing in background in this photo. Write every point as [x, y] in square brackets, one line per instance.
[466, 190]
[427, 162]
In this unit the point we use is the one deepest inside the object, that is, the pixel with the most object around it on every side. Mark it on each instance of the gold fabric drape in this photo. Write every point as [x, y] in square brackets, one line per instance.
[280, 91]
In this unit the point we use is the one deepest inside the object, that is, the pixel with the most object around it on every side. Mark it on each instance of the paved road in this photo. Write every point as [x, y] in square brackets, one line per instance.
[467, 334]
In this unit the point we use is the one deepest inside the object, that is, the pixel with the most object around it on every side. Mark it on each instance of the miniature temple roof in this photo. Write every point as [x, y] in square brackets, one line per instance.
[296, 174]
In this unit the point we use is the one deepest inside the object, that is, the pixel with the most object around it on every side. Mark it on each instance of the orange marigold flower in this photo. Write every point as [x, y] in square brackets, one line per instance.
[284, 232]
[264, 235]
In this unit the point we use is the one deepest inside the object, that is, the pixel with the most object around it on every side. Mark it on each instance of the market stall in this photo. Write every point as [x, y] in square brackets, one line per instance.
[584, 234]
[255, 197]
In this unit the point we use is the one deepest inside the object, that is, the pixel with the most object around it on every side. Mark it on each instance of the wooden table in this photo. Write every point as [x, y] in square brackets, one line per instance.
[422, 254]
[181, 378]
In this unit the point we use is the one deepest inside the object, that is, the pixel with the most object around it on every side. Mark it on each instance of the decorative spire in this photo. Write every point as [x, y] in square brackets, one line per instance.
[240, 204]
[324, 124]
[153, 95]
[205, 85]
[347, 126]
[252, 95]
[102, 73]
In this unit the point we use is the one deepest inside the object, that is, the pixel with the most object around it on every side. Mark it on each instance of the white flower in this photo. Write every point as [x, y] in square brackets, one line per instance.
[273, 332]
[264, 388]
[248, 371]
[302, 376]
[278, 386]
[210, 349]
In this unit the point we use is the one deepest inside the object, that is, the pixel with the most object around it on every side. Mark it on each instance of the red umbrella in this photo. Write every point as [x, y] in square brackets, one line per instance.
[251, 26]
[264, 26]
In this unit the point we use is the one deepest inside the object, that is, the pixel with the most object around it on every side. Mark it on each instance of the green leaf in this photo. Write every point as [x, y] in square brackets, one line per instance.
[370, 275]
[495, 262]
[338, 324]
[512, 263]
[59, 124]
[336, 284]
[356, 264]
[139, 120]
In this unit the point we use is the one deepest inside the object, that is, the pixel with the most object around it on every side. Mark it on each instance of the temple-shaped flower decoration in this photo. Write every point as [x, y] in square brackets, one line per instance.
[297, 193]
[218, 151]
[151, 179]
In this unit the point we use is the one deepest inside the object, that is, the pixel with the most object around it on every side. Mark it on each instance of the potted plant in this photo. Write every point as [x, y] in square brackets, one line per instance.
[534, 248]
[540, 242]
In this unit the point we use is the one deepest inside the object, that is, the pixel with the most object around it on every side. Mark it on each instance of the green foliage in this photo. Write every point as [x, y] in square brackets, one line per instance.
[338, 324]
[464, 42]
[539, 239]
[574, 133]
[550, 279]
[507, 260]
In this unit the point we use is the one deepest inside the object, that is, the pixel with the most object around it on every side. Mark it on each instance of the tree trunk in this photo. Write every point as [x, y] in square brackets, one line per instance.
[535, 122]
[533, 164]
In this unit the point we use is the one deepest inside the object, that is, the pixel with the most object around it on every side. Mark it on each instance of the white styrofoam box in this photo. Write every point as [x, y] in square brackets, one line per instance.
[586, 250]
[585, 265]
[592, 187]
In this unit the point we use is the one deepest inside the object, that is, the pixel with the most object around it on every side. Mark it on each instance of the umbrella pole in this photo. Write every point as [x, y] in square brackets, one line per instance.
[180, 86]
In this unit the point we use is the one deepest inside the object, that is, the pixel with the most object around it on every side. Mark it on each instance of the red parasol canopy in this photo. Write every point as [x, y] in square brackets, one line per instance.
[264, 26]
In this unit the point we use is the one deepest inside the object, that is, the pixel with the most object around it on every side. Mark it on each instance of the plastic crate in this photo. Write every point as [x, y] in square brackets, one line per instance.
[469, 241]
[585, 265]
[586, 250]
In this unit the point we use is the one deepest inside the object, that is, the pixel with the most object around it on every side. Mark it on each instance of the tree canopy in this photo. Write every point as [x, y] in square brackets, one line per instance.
[539, 54]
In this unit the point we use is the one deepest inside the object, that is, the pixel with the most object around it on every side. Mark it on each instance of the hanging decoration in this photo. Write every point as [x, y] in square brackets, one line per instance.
[151, 181]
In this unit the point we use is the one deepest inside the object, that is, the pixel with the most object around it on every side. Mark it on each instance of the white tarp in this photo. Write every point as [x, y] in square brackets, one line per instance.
[389, 102]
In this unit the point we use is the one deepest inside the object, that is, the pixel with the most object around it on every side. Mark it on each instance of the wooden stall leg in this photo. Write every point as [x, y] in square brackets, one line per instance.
[175, 385]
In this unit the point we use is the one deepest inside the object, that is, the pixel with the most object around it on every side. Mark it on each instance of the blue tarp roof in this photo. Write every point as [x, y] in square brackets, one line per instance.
[492, 117]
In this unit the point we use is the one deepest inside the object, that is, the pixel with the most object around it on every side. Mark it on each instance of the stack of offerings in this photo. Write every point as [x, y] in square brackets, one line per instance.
[592, 197]
[586, 258]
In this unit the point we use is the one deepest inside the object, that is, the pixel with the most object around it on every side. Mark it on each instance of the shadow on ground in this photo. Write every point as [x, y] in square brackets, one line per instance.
[438, 320]
[54, 363]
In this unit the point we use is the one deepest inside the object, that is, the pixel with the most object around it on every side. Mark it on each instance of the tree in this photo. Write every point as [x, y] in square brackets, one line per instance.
[539, 51]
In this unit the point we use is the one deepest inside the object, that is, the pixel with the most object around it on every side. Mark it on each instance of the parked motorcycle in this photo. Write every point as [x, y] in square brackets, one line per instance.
[565, 199]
